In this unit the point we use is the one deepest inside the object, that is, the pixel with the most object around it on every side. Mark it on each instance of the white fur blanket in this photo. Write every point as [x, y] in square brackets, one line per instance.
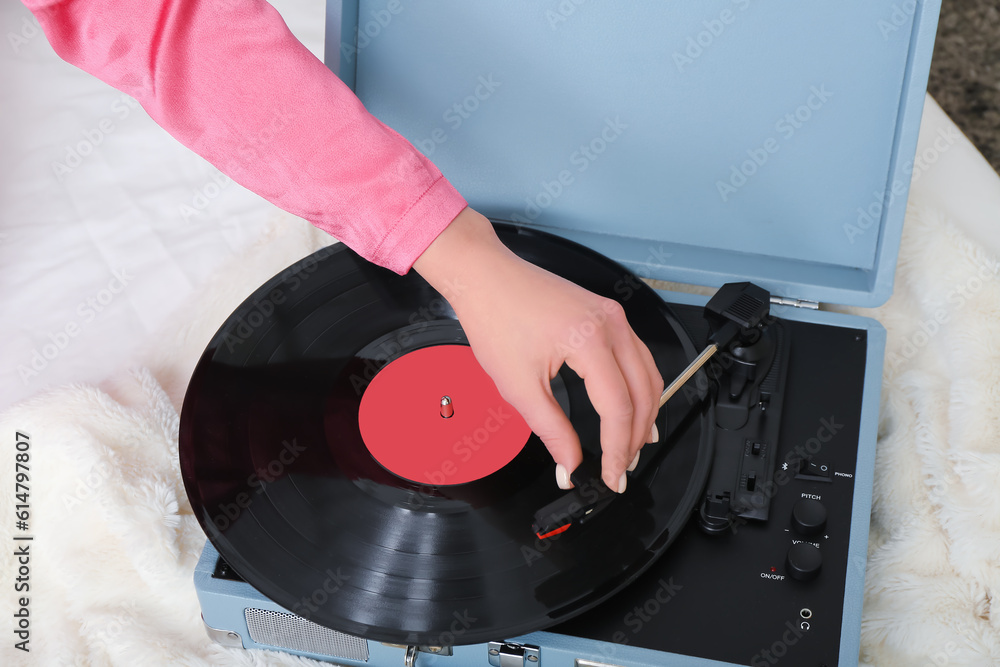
[934, 555]
[115, 541]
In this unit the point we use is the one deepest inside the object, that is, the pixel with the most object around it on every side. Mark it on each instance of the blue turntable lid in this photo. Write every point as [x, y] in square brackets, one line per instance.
[698, 142]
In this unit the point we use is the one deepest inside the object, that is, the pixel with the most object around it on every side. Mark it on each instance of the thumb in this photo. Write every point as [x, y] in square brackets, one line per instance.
[545, 417]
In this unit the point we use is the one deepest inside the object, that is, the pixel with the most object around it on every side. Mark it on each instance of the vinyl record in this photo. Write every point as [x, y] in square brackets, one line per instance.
[322, 463]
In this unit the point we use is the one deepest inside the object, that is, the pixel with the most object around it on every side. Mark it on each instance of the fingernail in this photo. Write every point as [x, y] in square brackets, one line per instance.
[634, 463]
[562, 477]
[654, 434]
[622, 483]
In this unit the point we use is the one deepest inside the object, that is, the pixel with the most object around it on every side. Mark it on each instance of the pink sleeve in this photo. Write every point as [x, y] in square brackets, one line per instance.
[228, 80]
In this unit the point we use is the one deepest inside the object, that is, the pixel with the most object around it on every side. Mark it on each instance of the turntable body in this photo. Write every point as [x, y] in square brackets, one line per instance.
[692, 144]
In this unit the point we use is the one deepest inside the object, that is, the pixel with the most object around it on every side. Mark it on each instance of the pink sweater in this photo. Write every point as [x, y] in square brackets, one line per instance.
[228, 80]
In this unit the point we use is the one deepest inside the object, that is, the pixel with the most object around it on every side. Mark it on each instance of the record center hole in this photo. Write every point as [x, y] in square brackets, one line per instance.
[806, 613]
[447, 408]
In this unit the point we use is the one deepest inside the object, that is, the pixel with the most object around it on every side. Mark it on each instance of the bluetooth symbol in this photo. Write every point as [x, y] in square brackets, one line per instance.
[22, 525]
[784, 466]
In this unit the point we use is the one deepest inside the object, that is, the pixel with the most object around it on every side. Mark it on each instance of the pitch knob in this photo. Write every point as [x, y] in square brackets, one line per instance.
[808, 517]
[803, 562]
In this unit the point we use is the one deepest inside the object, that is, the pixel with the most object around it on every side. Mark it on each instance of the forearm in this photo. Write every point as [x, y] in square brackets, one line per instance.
[463, 257]
[228, 80]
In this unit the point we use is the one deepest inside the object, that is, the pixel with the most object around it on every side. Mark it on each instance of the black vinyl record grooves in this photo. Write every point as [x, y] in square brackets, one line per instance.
[281, 480]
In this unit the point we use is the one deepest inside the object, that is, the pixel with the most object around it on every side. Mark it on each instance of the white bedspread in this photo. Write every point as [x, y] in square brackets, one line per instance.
[80, 205]
[115, 541]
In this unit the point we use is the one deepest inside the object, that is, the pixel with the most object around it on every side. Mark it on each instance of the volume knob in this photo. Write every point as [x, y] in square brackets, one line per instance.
[808, 517]
[803, 562]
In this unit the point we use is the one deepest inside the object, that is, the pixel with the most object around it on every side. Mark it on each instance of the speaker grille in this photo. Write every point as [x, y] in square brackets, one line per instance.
[289, 631]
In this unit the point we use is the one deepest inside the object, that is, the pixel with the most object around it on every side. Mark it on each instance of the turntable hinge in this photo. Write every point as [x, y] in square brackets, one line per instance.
[509, 654]
[795, 303]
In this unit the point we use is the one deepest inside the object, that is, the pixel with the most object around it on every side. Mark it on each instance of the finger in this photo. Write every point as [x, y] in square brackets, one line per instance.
[545, 417]
[656, 384]
[609, 394]
[636, 375]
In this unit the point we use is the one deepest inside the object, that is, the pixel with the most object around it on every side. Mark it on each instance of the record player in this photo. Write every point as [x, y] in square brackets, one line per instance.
[761, 150]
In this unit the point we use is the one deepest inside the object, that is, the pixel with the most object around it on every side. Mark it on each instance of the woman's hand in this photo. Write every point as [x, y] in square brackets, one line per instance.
[523, 323]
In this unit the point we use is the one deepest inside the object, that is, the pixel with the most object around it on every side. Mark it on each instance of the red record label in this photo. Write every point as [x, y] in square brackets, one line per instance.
[433, 416]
